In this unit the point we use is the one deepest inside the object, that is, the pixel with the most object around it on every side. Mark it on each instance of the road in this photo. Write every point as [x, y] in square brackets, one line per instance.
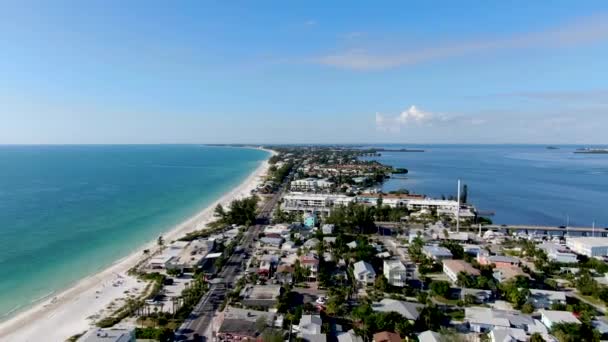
[198, 325]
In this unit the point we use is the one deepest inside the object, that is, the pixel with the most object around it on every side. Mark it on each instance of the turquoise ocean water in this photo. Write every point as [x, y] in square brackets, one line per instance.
[69, 211]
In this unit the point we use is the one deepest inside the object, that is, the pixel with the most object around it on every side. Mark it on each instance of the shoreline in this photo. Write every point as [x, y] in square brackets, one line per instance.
[65, 312]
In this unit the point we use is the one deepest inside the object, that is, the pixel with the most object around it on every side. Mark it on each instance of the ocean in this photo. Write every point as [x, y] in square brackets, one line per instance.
[521, 184]
[69, 211]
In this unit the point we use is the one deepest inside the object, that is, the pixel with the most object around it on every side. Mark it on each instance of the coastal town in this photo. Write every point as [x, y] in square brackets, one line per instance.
[319, 253]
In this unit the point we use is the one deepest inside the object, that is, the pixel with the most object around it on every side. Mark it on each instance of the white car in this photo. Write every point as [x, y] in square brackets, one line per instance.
[321, 301]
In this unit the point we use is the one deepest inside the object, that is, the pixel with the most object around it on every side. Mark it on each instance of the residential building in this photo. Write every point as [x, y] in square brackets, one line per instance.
[558, 253]
[311, 263]
[543, 299]
[501, 334]
[260, 295]
[500, 261]
[452, 268]
[309, 329]
[271, 241]
[309, 202]
[552, 317]
[411, 311]
[310, 324]
[242, 324]
[364, 273]
[436, 253]
[109, 335]
[284, 274]
[311, 243]
[386, 336]
[483, 320]
[327, 229]
[508, 273]
[395, 272]
[310, 184]
[589, 246]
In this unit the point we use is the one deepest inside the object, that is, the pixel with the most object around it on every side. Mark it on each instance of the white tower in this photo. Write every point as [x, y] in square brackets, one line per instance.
[458, 209]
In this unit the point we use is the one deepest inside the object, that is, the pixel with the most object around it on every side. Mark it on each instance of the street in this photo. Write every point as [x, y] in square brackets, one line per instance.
[198, 325]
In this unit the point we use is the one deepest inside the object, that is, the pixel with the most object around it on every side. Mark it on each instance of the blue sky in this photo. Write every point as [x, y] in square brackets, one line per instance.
[304, 72]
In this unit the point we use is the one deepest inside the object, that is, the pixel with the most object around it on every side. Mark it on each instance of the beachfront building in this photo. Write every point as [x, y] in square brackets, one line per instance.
[589, 246]
[558, 253]
[310, 184]
[317, 203]
[452, 268]
[395, 272]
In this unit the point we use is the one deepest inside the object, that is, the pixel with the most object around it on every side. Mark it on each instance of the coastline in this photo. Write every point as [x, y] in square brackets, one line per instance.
[66, 312]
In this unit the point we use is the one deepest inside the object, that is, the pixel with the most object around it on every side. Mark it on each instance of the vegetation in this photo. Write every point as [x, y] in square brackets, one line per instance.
[241, 212]
[157, 334]
[572, 332]
[354, 219]
[440, 288]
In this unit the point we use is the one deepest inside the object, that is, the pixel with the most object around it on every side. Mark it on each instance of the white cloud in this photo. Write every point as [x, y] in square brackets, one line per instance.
[310, 22]
[413, 116]
[585, 31]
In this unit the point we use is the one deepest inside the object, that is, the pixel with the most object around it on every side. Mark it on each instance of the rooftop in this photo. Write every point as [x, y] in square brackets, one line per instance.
[411, 311]
[559, 316]
[362, 266]
[437, 251]
[458, 266]
[590, 241]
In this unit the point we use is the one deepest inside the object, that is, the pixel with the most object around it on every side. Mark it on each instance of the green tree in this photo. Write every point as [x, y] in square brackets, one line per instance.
[440, 288]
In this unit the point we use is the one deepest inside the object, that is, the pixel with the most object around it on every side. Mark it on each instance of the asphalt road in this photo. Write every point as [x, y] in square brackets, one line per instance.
[196, 326]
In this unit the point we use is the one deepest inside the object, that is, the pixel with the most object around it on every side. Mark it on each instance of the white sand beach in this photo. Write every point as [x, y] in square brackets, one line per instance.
[67, 313]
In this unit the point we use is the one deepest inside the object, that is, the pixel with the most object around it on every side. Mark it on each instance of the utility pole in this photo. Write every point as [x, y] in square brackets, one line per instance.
[593, 229]
[458, 209]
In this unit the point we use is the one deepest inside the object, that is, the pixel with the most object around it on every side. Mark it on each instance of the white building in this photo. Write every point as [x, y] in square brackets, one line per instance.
[310, 184]
[395, 272]
[443, 207]
[589, 246]
[308, 202]
[364, 273]
[558, 253]
[551, 317]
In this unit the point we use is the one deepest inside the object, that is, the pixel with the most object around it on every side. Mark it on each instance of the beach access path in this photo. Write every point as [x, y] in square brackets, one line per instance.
[69, 312]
